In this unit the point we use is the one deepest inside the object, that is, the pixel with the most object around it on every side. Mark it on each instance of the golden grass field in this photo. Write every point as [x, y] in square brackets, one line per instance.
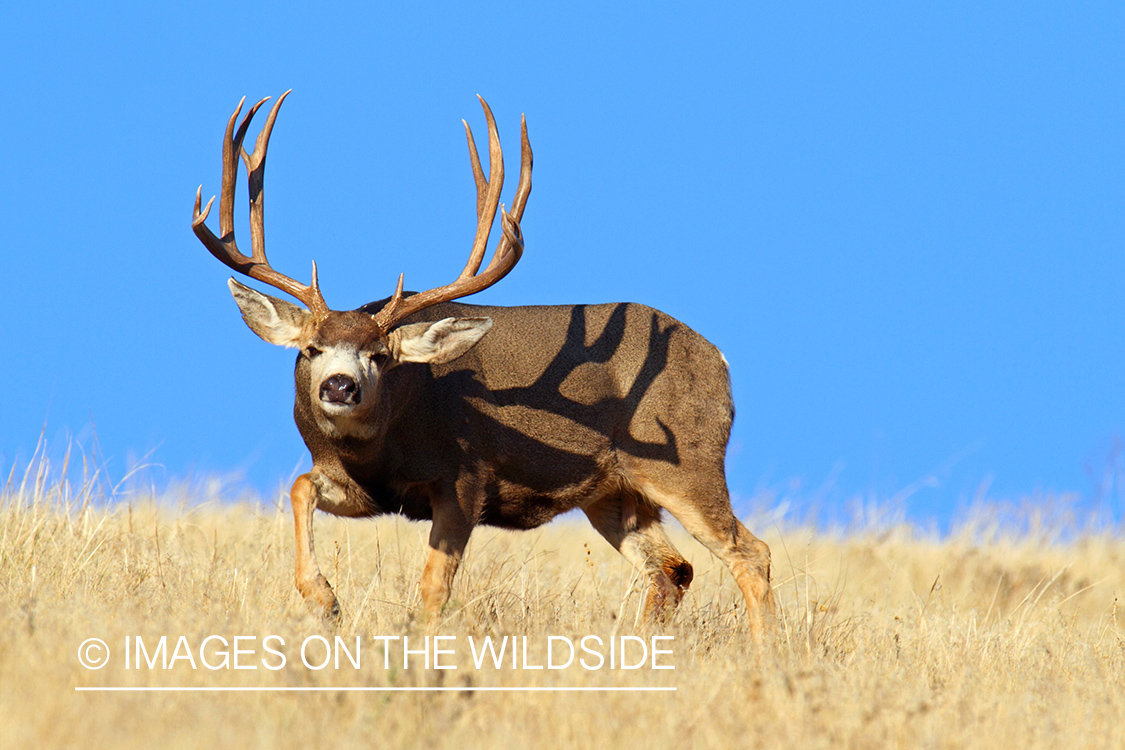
[887, 637]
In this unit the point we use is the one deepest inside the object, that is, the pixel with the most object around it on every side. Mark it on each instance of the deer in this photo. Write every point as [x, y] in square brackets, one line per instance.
[466, 415]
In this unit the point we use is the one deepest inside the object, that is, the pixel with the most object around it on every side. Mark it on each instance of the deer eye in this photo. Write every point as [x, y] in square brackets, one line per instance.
[379, 359]
[312, 352]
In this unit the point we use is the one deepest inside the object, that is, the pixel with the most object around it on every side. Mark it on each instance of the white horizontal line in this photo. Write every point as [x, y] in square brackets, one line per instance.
[370, 689]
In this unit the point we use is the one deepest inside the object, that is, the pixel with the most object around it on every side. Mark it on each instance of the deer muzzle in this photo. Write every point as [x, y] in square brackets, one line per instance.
[340, 389]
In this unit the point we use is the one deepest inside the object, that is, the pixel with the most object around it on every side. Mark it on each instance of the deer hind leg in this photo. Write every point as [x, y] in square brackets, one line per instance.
[633, 527]
[713, 523]
[310, 582]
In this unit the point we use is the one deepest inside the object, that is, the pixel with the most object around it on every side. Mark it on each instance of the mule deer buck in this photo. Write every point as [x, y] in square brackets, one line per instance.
[505, 416]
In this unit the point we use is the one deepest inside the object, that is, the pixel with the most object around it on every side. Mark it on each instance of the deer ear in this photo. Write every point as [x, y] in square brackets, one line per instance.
[275, 320]
[437, 343]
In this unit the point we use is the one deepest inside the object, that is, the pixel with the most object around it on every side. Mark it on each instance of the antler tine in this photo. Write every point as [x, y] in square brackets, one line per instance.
[232, 145]
[255, 181]
[478, 173]
[226, 249]
[523, 190]
[508, 251]
[512, 244]
[386, 317]
[488, 191]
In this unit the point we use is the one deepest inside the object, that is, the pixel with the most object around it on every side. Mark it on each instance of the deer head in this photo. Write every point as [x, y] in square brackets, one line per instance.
[346, 353]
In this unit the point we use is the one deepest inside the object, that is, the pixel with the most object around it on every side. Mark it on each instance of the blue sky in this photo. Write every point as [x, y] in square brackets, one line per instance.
[902, 222]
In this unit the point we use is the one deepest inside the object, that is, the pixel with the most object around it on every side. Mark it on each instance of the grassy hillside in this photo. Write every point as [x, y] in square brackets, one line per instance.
[886, 638]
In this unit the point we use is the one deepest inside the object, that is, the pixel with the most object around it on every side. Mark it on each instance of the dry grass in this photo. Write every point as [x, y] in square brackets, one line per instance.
[886, 639]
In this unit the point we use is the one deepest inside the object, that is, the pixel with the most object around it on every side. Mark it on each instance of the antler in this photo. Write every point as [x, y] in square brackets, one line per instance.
[508, 250]
[256, 266]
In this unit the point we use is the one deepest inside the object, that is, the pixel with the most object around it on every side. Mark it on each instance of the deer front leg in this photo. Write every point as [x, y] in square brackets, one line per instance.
[310, 582]
[448, 537]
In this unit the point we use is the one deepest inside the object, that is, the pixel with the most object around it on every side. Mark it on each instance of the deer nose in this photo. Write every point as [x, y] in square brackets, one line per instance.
[339, 389]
